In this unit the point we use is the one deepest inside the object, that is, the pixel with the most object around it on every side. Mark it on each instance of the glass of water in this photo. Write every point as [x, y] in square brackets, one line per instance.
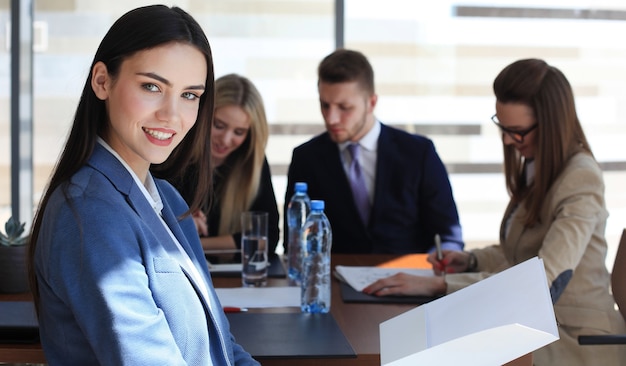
[254, 248]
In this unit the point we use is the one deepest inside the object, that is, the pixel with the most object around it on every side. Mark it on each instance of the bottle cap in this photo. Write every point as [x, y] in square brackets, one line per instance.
[301, 187]
[317, 205]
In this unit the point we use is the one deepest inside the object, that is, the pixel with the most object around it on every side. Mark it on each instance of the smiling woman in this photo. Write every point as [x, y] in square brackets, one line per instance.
[151, 112]
[113, 249]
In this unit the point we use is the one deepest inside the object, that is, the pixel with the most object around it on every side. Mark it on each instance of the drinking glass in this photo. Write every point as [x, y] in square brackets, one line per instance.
[254, 248]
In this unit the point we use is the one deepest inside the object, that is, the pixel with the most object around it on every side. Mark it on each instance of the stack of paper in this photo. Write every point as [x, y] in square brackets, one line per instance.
[491, 322]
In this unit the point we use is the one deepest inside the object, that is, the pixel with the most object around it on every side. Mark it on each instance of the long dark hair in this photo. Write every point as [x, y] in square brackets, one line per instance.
[139, 29]
[560, 135]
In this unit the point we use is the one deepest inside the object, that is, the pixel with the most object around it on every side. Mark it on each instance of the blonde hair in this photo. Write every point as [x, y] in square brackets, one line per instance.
[240, 186]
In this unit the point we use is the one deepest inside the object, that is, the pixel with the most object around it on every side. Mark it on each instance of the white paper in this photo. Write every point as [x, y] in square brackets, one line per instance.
[225, 267]
[361, 277]
[401, 337]
[259, 297]
[493, 321]
[472, 350]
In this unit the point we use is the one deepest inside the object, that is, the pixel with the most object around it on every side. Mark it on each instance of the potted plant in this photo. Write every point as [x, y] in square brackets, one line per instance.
[13, 249]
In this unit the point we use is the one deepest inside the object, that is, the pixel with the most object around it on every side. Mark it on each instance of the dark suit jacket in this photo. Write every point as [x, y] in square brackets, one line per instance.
[412, 199]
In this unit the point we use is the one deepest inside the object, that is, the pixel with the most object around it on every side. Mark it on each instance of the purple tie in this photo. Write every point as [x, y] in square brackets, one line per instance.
[357, 183]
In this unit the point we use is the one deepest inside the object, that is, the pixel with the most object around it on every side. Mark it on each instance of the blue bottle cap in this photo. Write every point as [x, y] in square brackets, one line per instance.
[317, 205]
[301, 187]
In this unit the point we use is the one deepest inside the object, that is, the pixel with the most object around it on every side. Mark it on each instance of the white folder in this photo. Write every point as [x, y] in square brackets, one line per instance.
[491, 322]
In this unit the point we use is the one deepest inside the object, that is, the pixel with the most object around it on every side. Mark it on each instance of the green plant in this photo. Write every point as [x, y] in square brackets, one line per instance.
[14, 233]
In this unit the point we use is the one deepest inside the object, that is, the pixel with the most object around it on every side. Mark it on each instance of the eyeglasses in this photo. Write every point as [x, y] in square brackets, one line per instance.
[516, 135]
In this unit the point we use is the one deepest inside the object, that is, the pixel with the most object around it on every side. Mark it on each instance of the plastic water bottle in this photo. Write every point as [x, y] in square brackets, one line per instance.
[297, 211]
[315, 295]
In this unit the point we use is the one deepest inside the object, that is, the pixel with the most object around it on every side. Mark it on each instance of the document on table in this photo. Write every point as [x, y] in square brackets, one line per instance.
[360, 277]
[491, 322]
[225, 267]
[259, 297]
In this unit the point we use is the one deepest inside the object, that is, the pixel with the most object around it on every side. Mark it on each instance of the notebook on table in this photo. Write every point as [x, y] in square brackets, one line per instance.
[349, 294]
[18, 322]
[353, 279]
[289, 335]
[276, 269]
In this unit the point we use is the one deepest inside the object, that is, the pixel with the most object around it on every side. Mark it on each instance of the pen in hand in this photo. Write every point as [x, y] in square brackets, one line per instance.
[439, 254]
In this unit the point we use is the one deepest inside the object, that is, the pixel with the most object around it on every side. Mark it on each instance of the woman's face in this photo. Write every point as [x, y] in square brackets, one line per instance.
[230, 129]
[152, 103]
[518, 126]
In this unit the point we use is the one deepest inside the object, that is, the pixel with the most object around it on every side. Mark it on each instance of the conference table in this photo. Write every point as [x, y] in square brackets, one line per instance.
[358, 321]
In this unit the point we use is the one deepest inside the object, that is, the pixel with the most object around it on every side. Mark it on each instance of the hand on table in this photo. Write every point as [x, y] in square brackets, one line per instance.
[407, 285]
[404, 284]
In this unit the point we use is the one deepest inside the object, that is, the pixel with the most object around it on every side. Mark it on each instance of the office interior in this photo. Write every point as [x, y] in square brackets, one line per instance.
[434, 64]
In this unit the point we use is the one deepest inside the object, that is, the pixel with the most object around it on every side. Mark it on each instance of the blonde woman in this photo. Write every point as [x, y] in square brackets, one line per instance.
[241, 174]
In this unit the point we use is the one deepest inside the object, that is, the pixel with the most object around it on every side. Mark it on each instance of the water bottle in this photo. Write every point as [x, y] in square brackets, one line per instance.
[297, 212]
[315, 294]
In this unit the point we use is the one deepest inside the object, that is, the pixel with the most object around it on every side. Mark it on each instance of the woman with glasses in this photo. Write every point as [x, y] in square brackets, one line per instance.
[557, 212]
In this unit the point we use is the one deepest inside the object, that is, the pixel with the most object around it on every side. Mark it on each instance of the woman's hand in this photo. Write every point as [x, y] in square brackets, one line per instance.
[453, 261]
[407, 285]
[199, 218]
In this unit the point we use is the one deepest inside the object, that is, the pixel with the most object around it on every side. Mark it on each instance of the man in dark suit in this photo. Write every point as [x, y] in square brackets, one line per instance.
[403, 198]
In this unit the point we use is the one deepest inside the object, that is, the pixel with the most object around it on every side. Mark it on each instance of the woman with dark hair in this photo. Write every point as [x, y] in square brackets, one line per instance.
[557, 212]
[113, 249]
[241, 178]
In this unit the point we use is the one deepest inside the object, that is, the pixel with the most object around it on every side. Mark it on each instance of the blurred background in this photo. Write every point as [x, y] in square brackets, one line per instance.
[434, 63]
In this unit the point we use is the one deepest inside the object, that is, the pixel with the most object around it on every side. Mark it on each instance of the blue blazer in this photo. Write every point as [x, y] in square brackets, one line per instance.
[114, 287]
[412, 200]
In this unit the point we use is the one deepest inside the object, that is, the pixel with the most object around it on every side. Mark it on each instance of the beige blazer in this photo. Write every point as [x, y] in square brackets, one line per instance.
[570, 236]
